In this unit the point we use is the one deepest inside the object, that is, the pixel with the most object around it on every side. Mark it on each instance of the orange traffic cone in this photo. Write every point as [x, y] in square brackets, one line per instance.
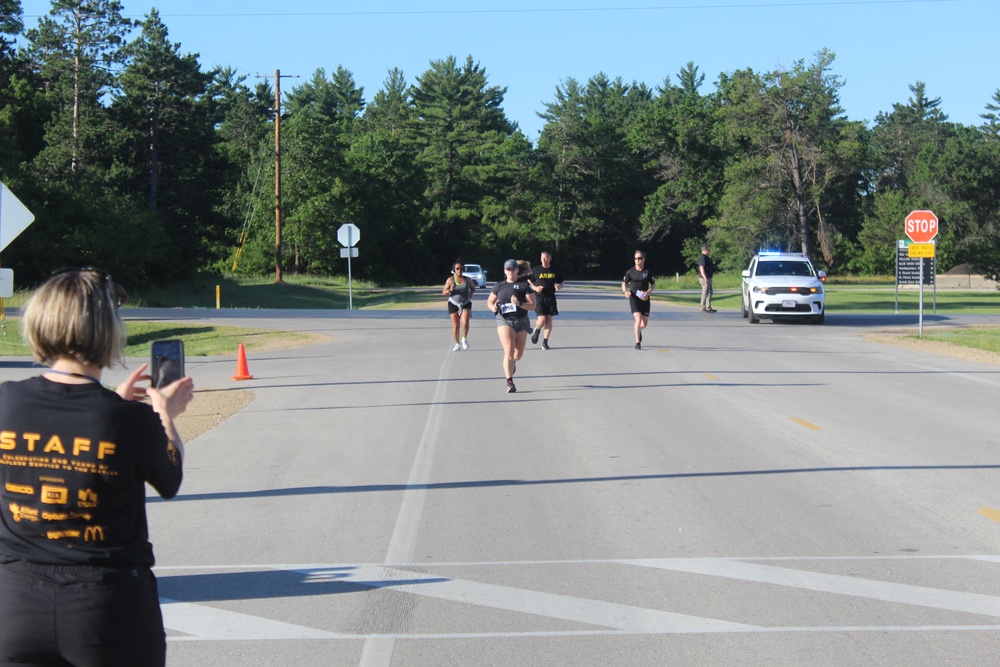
[242, 372]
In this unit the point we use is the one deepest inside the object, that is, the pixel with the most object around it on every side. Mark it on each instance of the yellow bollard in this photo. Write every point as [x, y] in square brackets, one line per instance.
[218, 296]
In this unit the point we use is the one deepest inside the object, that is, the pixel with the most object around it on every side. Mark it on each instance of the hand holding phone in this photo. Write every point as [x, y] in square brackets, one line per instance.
[166, 362]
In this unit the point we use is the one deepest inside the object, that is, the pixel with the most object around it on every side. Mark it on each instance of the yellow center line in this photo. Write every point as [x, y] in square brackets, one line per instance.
[990, 513]
[808, 425]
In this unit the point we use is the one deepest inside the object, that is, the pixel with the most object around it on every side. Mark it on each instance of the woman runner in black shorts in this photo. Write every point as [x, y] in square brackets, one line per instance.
[459, 291]
[510, 300]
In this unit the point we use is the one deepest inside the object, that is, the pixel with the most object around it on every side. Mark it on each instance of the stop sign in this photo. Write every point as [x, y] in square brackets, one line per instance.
[921, 226]
[348, 235]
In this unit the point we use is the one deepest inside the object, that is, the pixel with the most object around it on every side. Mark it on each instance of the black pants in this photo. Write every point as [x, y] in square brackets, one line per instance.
[80, 615]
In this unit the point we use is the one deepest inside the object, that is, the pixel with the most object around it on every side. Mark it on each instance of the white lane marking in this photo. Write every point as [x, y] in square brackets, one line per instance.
[199, 622]
[987, 559]
[404, 535]
[203, 623]
[884, 591]
[377, 652]
[551, 605]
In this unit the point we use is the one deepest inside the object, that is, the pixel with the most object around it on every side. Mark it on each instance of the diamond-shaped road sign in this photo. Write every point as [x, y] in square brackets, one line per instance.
[14, 216]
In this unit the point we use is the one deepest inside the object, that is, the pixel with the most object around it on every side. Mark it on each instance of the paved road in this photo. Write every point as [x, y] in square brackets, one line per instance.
[776, 494]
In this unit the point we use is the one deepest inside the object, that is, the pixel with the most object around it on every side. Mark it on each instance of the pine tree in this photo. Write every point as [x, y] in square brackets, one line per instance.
[459, 133]
[162, 127]
[681, 133]
[598, 180]
[322, 119]
[11, 23]
[992, 115]
[13, 91]
[389, 109]
[79, 50]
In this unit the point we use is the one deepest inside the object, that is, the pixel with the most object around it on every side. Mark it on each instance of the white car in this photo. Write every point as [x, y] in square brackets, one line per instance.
[476, 273]
[782, 284]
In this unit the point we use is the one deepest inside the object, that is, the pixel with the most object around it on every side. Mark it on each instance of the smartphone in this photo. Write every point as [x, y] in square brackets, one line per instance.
[166, 361]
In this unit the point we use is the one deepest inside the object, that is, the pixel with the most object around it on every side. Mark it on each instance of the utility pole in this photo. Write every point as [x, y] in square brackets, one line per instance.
[277, 171]
[277, 176]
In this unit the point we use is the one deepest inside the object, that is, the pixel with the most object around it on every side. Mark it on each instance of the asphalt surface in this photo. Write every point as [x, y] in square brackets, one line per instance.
[778, 494]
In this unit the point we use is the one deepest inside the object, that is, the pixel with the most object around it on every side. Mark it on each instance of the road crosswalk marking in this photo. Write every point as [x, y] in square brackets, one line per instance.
[551, 605]
[884, 591]
[188, 621]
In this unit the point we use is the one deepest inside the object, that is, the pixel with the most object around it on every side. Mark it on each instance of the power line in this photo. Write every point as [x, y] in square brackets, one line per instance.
[565, 10]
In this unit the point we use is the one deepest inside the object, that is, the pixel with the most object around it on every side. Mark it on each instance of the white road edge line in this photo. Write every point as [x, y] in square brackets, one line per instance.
[377, 652]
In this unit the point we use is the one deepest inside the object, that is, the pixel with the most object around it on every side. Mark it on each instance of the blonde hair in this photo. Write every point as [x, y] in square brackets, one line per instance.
[74, 315]
[523, 268]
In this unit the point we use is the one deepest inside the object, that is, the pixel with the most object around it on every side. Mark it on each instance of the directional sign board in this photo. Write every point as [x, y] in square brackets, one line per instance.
[908, 268]
[348, 235]
[14, 217]
[6, 283]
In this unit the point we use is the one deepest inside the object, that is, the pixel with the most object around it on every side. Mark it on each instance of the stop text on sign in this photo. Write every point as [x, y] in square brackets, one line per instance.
[921, 226]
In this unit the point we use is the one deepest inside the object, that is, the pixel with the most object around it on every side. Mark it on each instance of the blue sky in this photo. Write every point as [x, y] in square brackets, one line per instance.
[532, 46]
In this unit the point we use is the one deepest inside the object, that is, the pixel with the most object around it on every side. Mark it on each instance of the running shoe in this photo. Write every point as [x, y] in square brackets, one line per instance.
[510, 387]
[456, 348]
[534, 336]
[545, 344]
[465, 344]
[638, 346]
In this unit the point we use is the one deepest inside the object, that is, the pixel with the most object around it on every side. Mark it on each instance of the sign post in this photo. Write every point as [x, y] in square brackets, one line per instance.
[921, 227]
[349, 235]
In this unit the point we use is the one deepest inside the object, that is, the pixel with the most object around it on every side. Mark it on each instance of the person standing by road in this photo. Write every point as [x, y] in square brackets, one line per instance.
[706, 269]
[637, 285]
[510, 300]
[459, 291]
[546, 281]
[75, 580]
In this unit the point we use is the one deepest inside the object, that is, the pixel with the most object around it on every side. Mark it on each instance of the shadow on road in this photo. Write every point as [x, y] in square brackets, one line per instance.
[265, 584]
[478, 484]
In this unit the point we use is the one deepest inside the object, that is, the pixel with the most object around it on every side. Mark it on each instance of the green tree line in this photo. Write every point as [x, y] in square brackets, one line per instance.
[136, 158]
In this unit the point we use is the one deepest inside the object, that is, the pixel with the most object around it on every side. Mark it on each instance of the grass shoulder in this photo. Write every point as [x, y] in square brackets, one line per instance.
[200, 340]
[980, 344]
[855, 295]
[294, 292]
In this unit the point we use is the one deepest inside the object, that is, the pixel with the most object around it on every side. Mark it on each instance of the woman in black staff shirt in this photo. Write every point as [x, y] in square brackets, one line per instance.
[510, 300]
[75, 581]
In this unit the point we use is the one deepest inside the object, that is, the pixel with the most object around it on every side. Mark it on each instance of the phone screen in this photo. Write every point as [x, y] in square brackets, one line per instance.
[166, 362]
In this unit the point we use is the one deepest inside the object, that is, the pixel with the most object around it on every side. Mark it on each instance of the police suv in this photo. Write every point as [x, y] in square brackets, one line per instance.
[779, 284]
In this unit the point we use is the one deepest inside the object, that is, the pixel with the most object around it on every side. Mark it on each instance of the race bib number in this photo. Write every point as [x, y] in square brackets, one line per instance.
[507, 308]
